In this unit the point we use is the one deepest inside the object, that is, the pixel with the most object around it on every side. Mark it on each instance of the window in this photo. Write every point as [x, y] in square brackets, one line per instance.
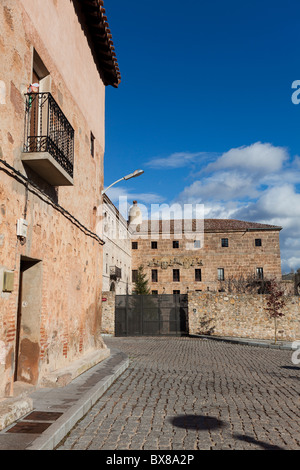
[175, 244]
[260, 273]
[224, 242]
[176, 292]
[176, 275]
[197, 244]
[154, 245]
[154, 292]
[134, 275]
[154, 275]
[257, 241]
[197, 274]
[92, 145]
[134, 245]
[221, 274]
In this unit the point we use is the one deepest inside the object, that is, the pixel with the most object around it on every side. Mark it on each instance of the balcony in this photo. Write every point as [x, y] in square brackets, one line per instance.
[48, 140]
[115, 273]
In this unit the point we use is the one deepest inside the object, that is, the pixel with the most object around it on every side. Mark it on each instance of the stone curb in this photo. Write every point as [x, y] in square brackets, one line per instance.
[58, 430]
[248, 342]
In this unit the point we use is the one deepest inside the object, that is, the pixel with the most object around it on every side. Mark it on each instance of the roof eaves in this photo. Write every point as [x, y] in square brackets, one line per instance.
[102, 38]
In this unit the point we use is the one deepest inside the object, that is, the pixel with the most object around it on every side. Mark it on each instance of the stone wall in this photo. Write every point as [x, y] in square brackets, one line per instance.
[241, 315]
[108, 313]
[61, 221]
[240, 258]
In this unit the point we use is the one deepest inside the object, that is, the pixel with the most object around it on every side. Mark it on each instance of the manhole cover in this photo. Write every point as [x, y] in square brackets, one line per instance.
[43, 416]
[29, 428]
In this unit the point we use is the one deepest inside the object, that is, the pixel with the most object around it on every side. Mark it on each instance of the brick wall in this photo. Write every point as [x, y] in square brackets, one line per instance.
[243, 315]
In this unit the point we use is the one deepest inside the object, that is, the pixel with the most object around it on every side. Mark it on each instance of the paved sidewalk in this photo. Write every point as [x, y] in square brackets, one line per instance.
[57, 410]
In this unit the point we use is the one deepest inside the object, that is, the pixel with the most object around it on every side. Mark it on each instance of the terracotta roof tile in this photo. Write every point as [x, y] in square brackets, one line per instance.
[97, 23]
[210, 225]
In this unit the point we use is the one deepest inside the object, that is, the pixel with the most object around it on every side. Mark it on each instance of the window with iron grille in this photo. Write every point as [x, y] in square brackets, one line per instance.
[257, 241]
[224, 242]
[176, 275]
[134, 245]
[154, 275]
[154, 245]
[197, 274]
[175, 244]
[134, 275]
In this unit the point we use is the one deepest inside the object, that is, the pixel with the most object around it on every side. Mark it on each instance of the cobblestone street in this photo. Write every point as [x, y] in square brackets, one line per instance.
[190, 394]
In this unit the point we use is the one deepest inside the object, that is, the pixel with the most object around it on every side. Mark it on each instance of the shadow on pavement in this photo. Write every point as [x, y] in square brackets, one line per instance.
[251, 440]
[197, 422]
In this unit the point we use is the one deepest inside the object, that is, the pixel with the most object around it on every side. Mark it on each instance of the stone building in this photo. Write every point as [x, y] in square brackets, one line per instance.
[116, 251]
[179, 256]
[51, 177]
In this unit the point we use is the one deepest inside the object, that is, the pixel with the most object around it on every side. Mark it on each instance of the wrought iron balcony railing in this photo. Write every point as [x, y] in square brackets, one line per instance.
[115, 273]
[48, 130]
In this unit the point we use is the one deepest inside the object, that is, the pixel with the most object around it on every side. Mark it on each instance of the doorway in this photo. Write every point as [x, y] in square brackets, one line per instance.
[28, 321]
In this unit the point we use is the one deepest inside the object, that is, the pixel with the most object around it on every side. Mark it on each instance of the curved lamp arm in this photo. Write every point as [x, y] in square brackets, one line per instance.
[127, 177]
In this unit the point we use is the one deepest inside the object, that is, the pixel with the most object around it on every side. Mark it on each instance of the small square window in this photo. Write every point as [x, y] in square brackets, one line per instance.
[134, 245]
[154, 245]
[175, 244]
[257, 241]
[176, 275]
[176, 292]
[154, 292]
[197, 244]
[224, 242]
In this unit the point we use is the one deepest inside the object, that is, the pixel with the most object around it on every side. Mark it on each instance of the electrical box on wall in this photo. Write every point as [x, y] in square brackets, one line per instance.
[22, 226]
[8, 281]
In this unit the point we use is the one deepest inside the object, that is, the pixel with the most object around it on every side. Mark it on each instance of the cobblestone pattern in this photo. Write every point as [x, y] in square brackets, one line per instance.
[194, 394]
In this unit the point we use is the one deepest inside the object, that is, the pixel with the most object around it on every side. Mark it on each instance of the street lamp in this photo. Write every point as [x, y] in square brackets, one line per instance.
[127, 177]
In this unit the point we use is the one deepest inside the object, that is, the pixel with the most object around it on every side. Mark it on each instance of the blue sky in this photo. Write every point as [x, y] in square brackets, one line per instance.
[205, 109]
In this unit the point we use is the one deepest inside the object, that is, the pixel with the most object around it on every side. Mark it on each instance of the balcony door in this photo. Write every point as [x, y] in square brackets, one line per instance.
[34, 115]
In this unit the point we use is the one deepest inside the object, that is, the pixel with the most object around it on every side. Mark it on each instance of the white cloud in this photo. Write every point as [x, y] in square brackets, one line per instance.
[148, 198]
[255, 183]
[178, 160]
[256, 158]
[221, 186]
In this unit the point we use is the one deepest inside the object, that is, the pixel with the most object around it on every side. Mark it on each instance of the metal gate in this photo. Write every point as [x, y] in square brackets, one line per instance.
[151, 315]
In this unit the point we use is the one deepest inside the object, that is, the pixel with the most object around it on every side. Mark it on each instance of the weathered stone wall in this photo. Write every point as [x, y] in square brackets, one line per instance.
[241, 257]
[108, 313]
[241, 315]
[68, 322]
